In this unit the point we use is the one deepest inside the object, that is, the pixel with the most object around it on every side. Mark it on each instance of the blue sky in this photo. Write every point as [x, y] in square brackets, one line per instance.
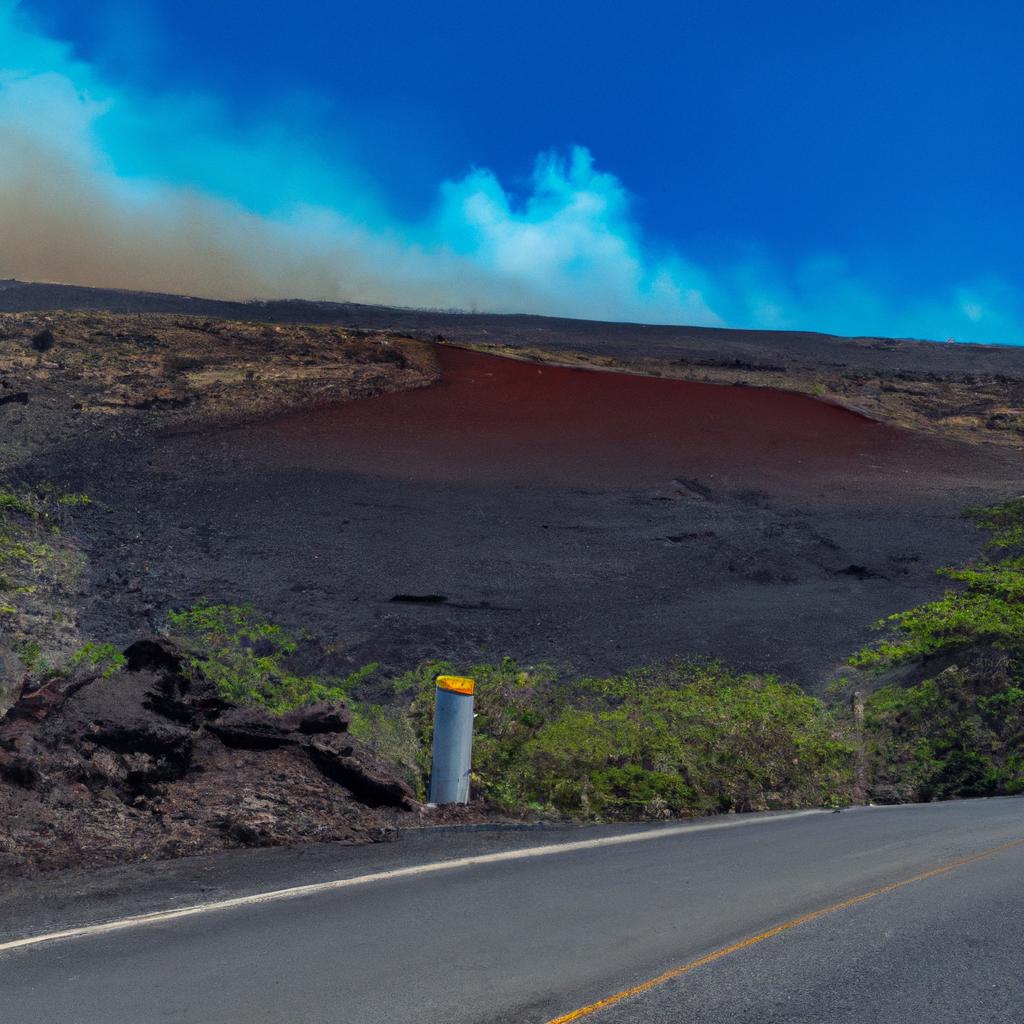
[853, 168]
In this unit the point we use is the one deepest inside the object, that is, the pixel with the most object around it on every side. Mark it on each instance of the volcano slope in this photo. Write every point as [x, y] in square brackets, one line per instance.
[591, 520]
[973, 392]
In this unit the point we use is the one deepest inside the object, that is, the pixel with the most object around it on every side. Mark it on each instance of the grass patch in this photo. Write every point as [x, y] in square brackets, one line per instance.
[29, 527]
[74, 500]
[22, 553]
[38, 567]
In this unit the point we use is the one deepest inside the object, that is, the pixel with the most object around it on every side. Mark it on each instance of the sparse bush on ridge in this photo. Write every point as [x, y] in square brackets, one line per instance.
[1004, 521]
[39, 568]
[21, 552]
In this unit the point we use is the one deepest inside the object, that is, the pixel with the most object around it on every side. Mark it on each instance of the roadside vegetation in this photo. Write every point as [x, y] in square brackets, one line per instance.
[682, 739]
[249, 658]
[943, 716]
[688, 738]
[958, 729]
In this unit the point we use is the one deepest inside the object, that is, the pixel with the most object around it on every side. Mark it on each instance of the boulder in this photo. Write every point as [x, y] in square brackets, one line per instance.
[151, 762]
[319, 718]
[155, 654]
[43, 341]
[252, 729]
[166, 744]
[369, 782]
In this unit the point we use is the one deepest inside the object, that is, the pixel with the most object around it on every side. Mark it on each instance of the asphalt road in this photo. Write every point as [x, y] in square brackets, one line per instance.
[534, 938]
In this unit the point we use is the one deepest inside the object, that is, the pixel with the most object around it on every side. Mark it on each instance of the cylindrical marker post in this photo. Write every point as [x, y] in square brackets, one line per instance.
[453, 740]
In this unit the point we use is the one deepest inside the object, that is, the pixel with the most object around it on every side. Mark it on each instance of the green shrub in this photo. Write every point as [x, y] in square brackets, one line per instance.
[389, 733]
[961, 732]
[686, 738]
[73, 500]
[22, 554]
[247, 657]
[30, 557]
[31, 655]
[988, 610]
[105, 657]
[1005, 522]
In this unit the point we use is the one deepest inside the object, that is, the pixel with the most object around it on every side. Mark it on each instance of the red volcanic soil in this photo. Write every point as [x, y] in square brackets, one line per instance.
[494, 418]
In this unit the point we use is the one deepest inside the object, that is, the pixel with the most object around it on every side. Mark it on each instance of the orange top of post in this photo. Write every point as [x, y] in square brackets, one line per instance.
[457, 684]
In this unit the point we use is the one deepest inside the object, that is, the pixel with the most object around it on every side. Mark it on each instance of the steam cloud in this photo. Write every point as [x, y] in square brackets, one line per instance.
[69, 212]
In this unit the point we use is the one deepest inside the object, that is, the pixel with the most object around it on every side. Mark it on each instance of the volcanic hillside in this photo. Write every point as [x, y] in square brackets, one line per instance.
[593, 520]
[975, 392]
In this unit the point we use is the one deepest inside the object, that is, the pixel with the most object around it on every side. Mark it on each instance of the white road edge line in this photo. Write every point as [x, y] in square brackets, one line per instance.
[384, 876]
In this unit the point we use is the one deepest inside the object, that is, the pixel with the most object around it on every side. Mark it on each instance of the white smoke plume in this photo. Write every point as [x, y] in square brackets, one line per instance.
[70, 212]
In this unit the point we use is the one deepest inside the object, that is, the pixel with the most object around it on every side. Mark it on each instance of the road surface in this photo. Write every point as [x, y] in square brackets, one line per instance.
[896, 914]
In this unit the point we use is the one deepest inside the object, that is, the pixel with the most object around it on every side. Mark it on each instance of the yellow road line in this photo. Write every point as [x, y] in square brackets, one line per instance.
[753, 940]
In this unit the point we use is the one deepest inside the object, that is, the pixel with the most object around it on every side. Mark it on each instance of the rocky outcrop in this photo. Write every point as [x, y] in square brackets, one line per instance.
[151, 762]
[84, 370]
[372, 783]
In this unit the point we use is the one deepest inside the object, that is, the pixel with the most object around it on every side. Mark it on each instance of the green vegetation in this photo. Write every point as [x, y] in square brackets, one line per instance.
[251, 662]
[29, 528]
[32, 655]
[686, 738]
[105, 657]
[959, 732]
[248, 657]
[988, 610]
[1005, 522]
[390, 733]
[21, 552]
[38, 569]
[74, 500]
[693, 737]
